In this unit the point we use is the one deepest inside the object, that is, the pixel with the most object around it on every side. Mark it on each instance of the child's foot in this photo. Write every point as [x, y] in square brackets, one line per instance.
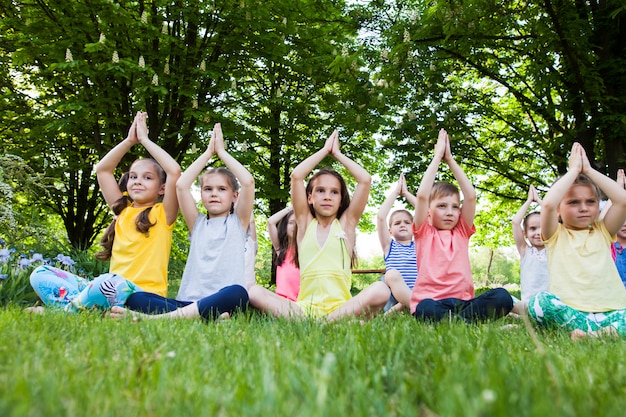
[605, 331]
[35, 310]
[578, 335]
[224, 316]
[120, 313]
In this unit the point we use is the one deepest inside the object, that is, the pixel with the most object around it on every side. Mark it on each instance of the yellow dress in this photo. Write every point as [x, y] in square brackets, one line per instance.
[325, 274]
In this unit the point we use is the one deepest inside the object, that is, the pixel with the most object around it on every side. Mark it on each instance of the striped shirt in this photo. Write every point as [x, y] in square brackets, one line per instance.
[403, 259]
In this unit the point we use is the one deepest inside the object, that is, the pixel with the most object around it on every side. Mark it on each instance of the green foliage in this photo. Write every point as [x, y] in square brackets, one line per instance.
[78, 77]
[495, 266]
[514, 83]
[389, 366]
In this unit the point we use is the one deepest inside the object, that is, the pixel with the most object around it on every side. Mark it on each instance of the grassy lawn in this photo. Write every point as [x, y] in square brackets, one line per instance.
[86, 365]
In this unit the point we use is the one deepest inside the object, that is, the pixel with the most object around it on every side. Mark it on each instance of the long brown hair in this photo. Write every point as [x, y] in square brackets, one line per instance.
[343, 204]
[143, 223]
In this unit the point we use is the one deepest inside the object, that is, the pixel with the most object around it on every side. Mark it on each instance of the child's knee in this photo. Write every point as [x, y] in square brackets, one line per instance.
[392, 276]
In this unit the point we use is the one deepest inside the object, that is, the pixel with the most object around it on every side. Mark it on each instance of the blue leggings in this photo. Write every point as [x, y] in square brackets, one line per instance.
[493, 304]
[227, 300]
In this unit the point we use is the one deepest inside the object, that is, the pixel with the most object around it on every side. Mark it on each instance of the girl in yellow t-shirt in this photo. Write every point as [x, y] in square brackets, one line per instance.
[586, 294]
[139, 239]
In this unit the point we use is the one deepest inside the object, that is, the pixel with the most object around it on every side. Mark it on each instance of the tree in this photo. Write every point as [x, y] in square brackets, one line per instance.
[514, 82]
[81, 69]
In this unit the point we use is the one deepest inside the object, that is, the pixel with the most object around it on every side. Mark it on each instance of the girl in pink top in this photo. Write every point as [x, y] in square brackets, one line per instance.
[281, 226]
[442, 228]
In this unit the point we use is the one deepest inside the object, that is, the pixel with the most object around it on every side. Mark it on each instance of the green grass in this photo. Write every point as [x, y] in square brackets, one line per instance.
[57, 364]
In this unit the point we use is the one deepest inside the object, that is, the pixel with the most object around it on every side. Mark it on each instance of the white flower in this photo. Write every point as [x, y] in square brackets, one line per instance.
[68, 55]
[341, 235]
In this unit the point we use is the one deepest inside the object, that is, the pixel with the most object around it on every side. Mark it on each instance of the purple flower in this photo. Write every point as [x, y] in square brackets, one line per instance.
[37, 257]
[65, 260]
[24, 263]
[4, 276]
[5, 254]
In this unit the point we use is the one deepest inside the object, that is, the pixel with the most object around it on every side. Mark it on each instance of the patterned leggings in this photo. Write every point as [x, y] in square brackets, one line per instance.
[548, 309]
[63, 290]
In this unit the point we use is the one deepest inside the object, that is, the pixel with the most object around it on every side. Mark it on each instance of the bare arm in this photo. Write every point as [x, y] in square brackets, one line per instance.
[410, 198]
[468, 209]
[169, 165]
[428, 180]
[616, 214]
[361, 194]
[552, 199]
[382, 227]
[272, 225]
[245, 201]
[298, 189]
[106, 167]
[516, 224]
[183, 186]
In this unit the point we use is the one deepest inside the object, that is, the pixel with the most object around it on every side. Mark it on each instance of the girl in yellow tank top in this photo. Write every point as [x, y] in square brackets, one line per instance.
[326, 221]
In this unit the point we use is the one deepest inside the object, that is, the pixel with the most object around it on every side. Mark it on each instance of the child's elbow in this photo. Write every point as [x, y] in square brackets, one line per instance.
[175, 173]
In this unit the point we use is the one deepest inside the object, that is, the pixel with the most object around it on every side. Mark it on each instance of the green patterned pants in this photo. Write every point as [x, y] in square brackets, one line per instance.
[548, 309]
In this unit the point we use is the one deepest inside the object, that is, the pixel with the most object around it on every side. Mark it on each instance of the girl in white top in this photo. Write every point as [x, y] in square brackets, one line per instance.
[531, 249]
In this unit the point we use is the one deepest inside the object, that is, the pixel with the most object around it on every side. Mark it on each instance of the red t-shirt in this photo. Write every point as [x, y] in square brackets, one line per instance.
[443, 263]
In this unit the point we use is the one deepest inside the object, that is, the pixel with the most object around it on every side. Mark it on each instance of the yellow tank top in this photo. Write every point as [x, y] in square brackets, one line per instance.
[325, 274]
[141, 258]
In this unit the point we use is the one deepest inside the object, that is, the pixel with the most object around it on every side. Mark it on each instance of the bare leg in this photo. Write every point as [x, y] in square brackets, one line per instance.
[399, 289]
[263, 299]
[368, 302]
[188, 312]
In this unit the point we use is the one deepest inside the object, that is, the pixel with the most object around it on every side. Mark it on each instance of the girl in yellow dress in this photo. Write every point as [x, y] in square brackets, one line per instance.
[326, 221]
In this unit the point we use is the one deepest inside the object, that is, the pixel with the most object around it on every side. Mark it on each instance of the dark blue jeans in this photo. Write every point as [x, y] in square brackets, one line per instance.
[493, 304]
[228, 299]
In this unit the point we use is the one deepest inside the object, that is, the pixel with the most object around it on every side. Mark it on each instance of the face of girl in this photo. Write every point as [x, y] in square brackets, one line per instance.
[217, 195]
[325, 196]
[579, 207]
[401, 226]
[144, 184]
[532, 227]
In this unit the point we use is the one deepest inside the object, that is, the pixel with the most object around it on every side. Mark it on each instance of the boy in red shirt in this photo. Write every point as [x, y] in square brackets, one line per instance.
[442, 228]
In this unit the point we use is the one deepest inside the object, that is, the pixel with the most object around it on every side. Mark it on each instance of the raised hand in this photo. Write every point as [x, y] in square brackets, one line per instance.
[142, 127]
[442, 145]
[132, 132]
[535, 194]
[330, 141]
[621, 178]
[217, 138]
[575, 163]
[586, 165]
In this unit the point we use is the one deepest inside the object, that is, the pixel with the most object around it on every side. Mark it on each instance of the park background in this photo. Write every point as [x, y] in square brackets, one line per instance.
[515, 83]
